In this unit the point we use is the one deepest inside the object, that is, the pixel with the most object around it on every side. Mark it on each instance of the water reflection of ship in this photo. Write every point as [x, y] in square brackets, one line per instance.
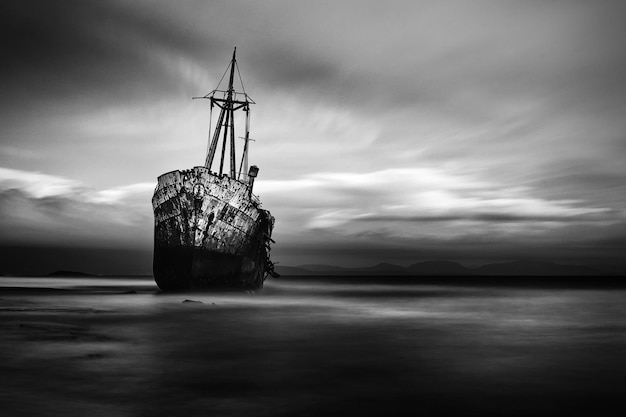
[210, 230]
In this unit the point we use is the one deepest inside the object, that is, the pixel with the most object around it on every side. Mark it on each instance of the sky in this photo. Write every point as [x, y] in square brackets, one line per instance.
[396, 131]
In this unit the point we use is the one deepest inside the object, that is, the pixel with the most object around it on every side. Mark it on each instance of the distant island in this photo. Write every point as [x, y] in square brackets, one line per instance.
[78, 274]
[71, 274]
[446, 268]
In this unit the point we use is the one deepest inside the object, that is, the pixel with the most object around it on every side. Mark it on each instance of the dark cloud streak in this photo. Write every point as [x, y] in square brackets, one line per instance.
[97, 50]
[71, 220]
[491, 218]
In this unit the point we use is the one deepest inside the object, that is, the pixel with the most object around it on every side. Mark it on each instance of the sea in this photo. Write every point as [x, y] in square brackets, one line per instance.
[312, 346]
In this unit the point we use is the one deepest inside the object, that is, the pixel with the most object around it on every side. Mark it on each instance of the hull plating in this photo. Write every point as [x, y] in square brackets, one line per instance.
[209, 232]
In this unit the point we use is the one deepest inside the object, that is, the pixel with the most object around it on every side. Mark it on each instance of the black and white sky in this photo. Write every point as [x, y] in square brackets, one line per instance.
[395, 131]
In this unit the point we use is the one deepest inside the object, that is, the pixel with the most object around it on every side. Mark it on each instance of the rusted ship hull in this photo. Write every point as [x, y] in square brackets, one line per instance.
[209, 232]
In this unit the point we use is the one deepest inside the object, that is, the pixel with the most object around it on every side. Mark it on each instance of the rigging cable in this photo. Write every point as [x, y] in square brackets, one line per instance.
[241, 81]
[220, 82]
[208, 143]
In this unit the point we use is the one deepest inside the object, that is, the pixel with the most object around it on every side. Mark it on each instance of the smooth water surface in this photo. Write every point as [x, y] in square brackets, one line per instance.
[119, 347]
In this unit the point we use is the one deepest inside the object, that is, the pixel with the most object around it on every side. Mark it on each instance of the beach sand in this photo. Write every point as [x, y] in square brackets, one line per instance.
[118, 347]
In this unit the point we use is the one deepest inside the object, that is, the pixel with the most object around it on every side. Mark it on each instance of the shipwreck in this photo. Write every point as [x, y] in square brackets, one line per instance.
[209, 228]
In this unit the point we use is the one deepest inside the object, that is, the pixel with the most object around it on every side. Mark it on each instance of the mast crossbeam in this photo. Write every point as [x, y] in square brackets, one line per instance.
[230, 102]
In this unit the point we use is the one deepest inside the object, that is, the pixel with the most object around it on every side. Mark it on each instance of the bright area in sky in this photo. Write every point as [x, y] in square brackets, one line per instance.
[384, 131]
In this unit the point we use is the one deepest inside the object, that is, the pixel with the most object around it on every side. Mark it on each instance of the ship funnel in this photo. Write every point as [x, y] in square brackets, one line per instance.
[252, 174]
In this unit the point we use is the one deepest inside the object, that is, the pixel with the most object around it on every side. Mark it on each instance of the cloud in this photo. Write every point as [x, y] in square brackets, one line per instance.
[36, 184]
[396, 215]
[39, 209]
[133, 194]
[419, 202]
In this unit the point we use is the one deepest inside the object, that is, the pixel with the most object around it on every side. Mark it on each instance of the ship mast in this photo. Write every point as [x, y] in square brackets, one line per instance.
[229, 101]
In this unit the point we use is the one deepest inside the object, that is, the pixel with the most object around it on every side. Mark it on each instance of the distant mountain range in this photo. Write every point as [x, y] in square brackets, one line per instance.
[429, 268]
[521, 268]
[70, 274]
